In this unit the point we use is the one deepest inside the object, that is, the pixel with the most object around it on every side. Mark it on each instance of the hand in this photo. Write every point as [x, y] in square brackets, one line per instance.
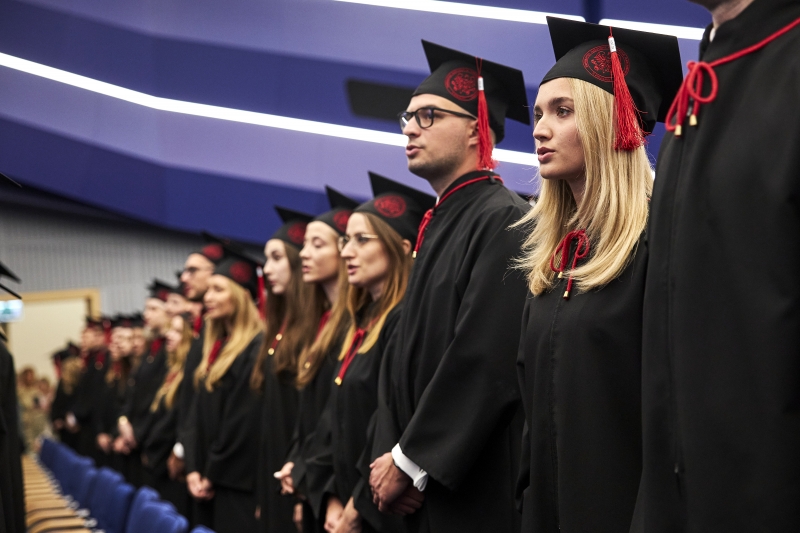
[408, 502]
[387, 482]
[285, 477]
[199, 487]
[58, 424]
[258, 512]
[126, 433]
[104, 442]
[297, 517]
[175, 467]
[334, 514]
[120, 446]
[351, 520]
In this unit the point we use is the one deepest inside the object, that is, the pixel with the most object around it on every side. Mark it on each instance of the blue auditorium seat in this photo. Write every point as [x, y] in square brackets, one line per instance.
[157, 517]
[111, 501]
[172, 522]
[141, 499]
[85, 480]
[202, 529]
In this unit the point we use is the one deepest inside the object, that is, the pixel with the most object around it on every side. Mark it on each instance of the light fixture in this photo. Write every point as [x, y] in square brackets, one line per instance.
[466, 10]
[229, 114]
[682, 32]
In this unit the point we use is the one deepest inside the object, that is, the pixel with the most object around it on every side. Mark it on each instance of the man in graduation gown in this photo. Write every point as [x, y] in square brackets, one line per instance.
[12, 495]
[449, 422]
[94, 357]
[721, 355]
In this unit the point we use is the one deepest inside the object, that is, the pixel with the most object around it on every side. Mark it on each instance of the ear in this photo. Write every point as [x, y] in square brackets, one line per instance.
[406, 246]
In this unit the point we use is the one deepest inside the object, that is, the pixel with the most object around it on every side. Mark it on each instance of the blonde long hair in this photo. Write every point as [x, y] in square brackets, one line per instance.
[175, 362]
[395, 288]
[312, 358]
[246, 325]
[614, 208]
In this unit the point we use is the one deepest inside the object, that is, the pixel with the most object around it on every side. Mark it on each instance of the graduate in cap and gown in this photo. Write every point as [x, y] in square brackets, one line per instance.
[70, 367]
[94, 355]
[197, 270]
[376, 249]
[324, 269]
[450, 423]
[161, 437]
[134, 422]
[585, 258]
[12, 495]
[721, 359]
[226, 412]
[294, 310]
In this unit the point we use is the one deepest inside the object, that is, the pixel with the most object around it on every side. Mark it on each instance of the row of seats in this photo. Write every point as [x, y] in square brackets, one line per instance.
[65, 492]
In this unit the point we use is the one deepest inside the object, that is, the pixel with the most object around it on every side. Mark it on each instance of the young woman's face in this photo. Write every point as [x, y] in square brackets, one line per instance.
[121, 343]
[155, 315]
[174, 333]
[320, 254]
[176, 304]
[277, 268]
[139, 341]
[366, 259]
[555, 131]
[218, 298]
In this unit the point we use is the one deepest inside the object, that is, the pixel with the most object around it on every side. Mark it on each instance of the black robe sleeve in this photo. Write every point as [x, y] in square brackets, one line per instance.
[12, 495]
[474, 389]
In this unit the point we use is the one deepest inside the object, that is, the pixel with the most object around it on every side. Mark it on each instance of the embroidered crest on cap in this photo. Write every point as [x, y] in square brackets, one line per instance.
[212, 251]
[241, 272]
[462, 83]
[340, 219]
[390, 206]
[296, 232]
[163, 294]
[597, 62]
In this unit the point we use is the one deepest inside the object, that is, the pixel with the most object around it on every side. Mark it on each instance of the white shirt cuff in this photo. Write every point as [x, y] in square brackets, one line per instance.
[417, 475]
[178, 450]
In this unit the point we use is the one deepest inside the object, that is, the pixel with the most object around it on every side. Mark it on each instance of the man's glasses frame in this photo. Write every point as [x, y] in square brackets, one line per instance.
[425, 116]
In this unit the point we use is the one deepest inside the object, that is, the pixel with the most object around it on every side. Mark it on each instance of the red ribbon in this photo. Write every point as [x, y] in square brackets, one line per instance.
[426, 219]
[355, 344]
[198, 324]
[562, 252]
[692, 85]
[212, 357]
[156, 345]
[322, 321]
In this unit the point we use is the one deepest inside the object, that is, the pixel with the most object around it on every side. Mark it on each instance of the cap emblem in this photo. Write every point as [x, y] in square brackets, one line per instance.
[163, 294]
[296, 232]
[462, 84]
[212, 251]
[340, 219]
[240, 272]
[597, 62]
[390, 206]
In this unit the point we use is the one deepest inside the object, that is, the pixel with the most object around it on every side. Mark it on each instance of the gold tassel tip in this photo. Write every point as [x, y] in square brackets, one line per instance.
[338, 380]
[678, 130]
[693, 120]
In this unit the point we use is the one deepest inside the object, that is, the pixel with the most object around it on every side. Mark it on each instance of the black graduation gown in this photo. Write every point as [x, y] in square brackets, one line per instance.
[579, 370]
[453, 397]
[311, 403]
[64, 403]
[157, 448]
[187, 391]
[89, 386]
[721, 355]
[12, 495]
[224, 425]
[343, 431]
[110, 399]
[278, 414]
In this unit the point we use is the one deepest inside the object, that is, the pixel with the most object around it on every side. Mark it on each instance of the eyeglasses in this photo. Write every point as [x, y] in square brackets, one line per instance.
[360, 239]
[425, 116]
[194, 270]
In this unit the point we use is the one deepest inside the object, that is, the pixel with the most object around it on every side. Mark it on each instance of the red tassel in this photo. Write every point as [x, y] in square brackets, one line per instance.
[629, 135]
[262, 294]
[485, 147]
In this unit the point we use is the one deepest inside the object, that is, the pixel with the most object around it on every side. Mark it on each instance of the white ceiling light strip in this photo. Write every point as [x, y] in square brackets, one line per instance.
[229, 114]
[466, 10]
[682, 32]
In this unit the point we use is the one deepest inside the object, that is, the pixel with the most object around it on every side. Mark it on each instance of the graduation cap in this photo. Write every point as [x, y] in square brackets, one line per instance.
[245, 271]
[489, 91]
[5, 272]
[212, 249]
[122, 321]
[341, 208]
[293, 230]
[641, 69]
[398, 205]
[137, 320]
[160, 290]
[4, 177]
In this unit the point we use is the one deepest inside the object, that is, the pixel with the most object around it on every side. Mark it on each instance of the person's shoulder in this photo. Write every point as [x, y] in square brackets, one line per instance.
[502, 203]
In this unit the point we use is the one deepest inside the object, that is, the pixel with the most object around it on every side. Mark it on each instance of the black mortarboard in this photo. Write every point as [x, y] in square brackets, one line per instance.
[454, 76]
[137, 320]
[122, 321]
[651, 63]
[160, 290]
[293, 230]
[398, 205]
[212, 249]
[5, 272]
[341, 208]
[242, 269]
[4, 177]
[92, 322]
